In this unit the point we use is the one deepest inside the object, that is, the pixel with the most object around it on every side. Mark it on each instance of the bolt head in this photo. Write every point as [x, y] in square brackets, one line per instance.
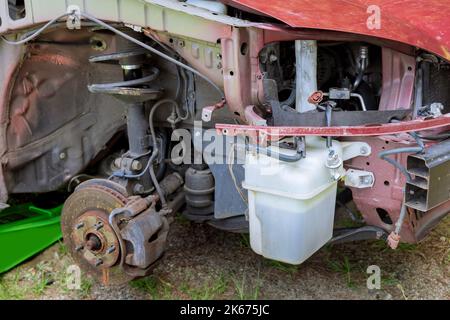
[139, 188]
[136, 165]
[118, 162]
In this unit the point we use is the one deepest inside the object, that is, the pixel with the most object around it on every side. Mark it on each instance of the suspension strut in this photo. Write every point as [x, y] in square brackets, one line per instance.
[135, 92]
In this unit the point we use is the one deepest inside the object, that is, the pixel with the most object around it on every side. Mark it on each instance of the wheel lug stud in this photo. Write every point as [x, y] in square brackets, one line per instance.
[98, 262]
[98, 226]
[79, 226]
[111, 250]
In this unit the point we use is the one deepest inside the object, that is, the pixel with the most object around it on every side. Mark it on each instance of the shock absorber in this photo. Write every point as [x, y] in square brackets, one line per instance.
[135, 91]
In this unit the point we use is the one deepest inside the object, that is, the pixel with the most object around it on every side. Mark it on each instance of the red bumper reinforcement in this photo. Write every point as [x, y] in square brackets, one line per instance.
[347, 131]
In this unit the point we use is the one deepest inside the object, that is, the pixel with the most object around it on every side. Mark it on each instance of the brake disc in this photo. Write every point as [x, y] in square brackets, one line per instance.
[87, 234]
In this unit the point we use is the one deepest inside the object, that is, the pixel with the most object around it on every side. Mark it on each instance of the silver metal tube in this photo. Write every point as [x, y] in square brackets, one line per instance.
[361, 99]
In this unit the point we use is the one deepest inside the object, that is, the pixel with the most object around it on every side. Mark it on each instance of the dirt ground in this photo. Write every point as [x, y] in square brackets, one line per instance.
[204, 263]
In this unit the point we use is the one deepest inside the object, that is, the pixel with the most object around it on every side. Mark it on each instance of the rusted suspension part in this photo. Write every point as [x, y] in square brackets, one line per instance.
[99, 217]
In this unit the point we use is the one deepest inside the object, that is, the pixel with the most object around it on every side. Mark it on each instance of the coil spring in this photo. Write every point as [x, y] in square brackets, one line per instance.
[129, 90]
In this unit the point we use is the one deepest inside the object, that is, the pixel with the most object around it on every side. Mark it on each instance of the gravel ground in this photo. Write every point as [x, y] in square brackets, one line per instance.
[204, 263]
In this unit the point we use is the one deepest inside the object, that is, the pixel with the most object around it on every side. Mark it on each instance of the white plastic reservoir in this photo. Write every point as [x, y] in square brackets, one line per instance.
[291, 204]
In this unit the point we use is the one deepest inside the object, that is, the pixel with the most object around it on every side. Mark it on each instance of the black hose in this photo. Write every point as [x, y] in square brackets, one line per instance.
[441, 136]
[273, 154]
[290, 101]
[156, 149]
[162, 163]
[384, 156]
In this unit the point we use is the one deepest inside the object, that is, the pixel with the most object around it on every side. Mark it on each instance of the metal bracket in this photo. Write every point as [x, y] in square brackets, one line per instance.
[208, 111]
[359, 179]
[433, 110]
[253, 118]
[356, 149]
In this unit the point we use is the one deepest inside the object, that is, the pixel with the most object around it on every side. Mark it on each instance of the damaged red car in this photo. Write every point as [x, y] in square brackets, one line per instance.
[250, 116]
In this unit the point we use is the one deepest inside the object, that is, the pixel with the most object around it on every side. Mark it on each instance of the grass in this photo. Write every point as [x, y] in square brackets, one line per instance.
[86, 287]
[40, 283]
[389, 281]
[244, 240]
[10, 289]
[62, 249]
[40, 279]
[400, 287]
[408, 247]
[380, 246]
[160, 289]
[344, 267]
[15, 287]
[245, 290]
[148, 285]
[182, 220]
[285, 267]
[208, 291]
[218, 287]
[347, 223]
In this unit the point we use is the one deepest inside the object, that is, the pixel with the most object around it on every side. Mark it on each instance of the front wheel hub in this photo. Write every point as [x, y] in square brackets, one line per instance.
[95, 239]
[91, 240]
[117, 253]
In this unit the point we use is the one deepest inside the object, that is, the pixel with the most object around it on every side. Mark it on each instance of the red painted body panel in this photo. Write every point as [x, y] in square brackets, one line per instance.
[421, 23]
